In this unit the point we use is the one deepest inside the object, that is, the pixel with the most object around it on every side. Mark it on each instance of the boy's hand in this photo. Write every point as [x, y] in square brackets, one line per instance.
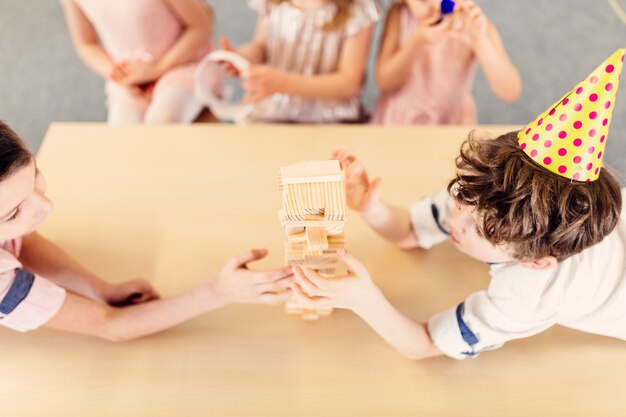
[235, 283]
[128, 293]
[261, 81]
[361, 194]
[352, 291]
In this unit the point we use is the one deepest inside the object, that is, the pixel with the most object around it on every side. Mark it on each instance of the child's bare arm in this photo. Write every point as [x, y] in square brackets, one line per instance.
[235, 283]
[358, 293]
[263, 81]
[44, 258]
[197, 20]
[363, 196]
[86, 41]
[395, 61]
[501, 74]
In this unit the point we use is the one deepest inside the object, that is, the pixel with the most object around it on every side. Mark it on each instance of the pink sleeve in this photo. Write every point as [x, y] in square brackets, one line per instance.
[26, 301]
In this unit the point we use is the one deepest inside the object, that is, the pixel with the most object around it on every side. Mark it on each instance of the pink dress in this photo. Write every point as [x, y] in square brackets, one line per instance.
[26, 301]
[438, 89]
[143, 30]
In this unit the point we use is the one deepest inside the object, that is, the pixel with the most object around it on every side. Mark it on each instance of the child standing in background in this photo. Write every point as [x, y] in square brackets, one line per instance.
[147, 51]
[309, 59]
[425, 69]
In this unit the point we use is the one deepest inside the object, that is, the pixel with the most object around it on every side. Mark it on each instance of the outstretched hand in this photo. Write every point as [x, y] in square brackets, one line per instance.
[361, 194]
[236, 283]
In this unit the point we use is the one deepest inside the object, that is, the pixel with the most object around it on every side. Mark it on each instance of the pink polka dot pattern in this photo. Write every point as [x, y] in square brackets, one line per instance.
[571, 139]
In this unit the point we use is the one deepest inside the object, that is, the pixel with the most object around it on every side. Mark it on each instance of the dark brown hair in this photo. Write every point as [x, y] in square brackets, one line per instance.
[13, 152]
[344, 10]
[522, 205]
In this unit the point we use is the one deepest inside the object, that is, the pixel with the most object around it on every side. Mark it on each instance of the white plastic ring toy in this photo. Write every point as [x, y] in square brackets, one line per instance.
[235, 112]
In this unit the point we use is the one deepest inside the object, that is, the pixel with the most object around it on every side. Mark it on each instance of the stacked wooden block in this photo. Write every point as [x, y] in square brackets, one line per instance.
[313, 216]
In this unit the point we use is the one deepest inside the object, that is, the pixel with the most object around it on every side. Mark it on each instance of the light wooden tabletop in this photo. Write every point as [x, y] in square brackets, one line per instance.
[173, 203]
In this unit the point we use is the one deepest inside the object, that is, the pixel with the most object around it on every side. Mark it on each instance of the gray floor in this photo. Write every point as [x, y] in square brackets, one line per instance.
[554, 43]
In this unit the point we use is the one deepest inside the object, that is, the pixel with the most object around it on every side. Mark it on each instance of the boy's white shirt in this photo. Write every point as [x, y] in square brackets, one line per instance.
[587, 292]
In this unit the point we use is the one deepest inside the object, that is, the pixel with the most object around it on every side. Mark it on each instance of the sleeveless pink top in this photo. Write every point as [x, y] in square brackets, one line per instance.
[438, 89]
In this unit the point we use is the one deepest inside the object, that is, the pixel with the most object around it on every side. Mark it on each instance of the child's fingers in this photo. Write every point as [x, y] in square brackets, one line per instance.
[307, 285]
[253, 98]
[308, 301]
[319, 281]
[226, 45]
[270, 276]
[275, 287]
[242, 259]
[373, 194]
[275, 298]
[353, 264]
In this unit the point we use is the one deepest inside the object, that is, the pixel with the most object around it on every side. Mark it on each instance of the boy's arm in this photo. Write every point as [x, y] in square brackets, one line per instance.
[407, 336]
[392, 223]
[357, 292]
[44, 258]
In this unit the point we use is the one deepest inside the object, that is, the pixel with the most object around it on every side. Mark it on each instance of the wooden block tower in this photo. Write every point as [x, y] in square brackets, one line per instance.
[313, 216]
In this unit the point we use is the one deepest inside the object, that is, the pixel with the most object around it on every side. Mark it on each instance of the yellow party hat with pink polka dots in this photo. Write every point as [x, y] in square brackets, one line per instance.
[569, 138]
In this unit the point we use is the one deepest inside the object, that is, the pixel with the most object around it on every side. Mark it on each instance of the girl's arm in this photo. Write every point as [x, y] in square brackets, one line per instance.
[357, 292]
[197, 19]
[395, 61]
[44, 258]
[86, 41]
[502, 76]
[253, 51]
[235, 283]
[263, 81]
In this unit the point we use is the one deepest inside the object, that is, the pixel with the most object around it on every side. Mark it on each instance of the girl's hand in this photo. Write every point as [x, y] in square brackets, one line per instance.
[135, 73]
[128, 293]
[472, 23]
[428, 33]
[235, 283]
[361, 194]
[229, 68]
[352, 291]
[261, 81]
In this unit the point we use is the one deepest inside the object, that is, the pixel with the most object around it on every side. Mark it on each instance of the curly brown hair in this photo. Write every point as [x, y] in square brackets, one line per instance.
[531, 210]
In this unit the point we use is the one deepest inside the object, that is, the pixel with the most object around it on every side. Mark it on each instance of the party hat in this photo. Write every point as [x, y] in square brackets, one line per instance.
[569, 137]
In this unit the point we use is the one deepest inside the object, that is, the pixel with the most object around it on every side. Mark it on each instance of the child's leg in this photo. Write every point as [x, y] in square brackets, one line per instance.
[124, 107]
[173, 99]
[173, 103]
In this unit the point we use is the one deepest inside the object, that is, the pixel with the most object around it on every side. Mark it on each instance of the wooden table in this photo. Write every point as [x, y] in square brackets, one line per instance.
[173, 203]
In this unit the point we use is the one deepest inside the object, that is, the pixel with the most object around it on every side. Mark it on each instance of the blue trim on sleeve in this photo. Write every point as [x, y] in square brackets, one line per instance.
[468, 336]
[435, 212]
[20, 288]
